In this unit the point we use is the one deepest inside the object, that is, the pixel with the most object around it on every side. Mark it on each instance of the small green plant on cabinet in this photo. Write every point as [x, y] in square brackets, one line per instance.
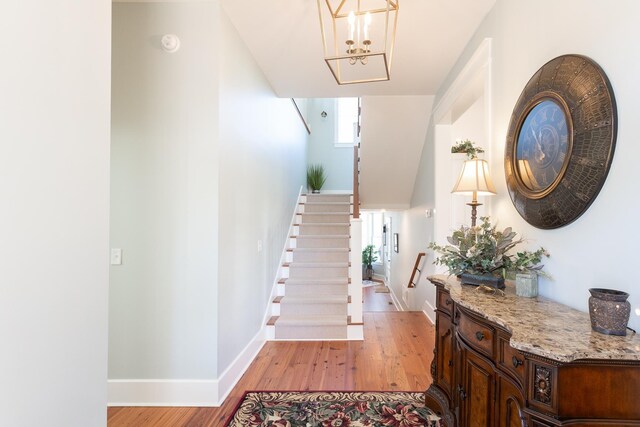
[369, 255]
[468, 147]
[315, 177]
[484, 250]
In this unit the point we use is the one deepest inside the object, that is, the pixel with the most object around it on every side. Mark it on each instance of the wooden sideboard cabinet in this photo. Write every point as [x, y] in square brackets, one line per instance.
[481, 380]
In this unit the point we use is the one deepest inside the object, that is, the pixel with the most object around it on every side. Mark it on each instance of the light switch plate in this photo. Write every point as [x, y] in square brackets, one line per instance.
[116, 256]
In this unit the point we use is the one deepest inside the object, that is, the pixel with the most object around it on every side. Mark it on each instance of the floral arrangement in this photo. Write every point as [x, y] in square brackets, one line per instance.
[467, 146]
[485, 250]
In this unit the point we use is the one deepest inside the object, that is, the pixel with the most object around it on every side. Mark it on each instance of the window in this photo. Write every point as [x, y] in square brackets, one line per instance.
[372, 226]
[346, 121]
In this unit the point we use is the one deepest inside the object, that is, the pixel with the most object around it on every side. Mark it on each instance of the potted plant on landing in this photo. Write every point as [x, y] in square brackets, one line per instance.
[369, 256]
[480, 255]
[315, 178]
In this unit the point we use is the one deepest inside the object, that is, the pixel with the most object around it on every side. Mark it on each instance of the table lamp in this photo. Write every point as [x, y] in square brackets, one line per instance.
[474, 180]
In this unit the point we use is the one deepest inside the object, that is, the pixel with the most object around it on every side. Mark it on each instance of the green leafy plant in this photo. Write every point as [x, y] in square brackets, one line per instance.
[315, 177]
[485, 250]
[369, 255]
[467, 146]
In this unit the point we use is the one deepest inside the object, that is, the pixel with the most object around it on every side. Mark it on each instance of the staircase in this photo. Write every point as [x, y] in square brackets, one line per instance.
[313, 295]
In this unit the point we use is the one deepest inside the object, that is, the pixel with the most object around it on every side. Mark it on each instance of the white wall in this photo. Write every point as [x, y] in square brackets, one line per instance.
[597, 249]
[207, 162]
[163, 320]
[337, 161]
[452, 209]
[393, 133]
[416, 230]
[470, 125]
[262, 166]
[54, 133]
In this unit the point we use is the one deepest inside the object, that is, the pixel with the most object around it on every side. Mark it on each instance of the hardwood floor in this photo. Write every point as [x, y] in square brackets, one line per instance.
[377, 301]
[395, 355]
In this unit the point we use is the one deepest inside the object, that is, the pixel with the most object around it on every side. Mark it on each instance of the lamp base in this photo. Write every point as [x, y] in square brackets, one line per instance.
[474, 211]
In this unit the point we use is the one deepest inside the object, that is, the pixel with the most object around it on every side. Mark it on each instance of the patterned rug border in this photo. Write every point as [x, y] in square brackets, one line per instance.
[244, 395]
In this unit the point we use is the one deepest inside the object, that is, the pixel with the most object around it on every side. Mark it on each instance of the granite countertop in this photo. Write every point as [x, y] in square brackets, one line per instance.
[541, 326]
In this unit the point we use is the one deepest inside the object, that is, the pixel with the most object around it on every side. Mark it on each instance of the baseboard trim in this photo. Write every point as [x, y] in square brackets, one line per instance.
[429, 311]
[395, 299]
[206, 393]
[153, 392]
[230, 377]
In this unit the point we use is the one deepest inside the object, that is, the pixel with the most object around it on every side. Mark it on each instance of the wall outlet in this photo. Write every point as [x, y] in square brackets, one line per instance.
[259, 245]
[116, 256]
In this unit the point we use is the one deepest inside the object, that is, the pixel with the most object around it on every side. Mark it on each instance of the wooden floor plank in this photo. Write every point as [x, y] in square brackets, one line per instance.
[395, 355]
[377, 301]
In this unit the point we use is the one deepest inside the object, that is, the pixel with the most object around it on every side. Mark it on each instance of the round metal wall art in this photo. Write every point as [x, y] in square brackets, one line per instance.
[560, 141]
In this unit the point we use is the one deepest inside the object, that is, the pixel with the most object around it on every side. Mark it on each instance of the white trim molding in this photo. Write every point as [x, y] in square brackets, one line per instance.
[478, 67]
[156, 392]
[429, 311]
[396, 301]
[230, 377]
[192, 392]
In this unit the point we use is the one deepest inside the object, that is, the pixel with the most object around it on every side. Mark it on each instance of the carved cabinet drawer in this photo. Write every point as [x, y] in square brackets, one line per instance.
[445, 303]
[510, 359]
[476, 333]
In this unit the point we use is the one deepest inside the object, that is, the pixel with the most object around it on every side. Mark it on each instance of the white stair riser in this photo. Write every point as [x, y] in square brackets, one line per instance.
[324, 218]
[311, 290]
[310, 242]
[305, 229]
[299, 256]
[311, 207]
[311, 332]
[317, 272]
[313, 309]
[328, 198]
[275, 309]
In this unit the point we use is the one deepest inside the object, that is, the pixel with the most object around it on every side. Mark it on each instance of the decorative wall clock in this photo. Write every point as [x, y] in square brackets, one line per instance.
[560, 141]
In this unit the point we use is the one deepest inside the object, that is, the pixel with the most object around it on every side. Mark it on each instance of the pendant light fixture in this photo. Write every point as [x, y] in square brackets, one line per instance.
[358, 37]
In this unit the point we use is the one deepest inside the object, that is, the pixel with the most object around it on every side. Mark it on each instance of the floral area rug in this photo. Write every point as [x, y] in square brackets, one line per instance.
[333, 409]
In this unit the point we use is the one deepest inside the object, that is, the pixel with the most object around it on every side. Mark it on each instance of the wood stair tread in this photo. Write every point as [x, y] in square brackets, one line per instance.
[324, 213]
[325, 224]
[321, 236]
[316, 264]
[326, 194]
[326, 203]
[319, 249]
[313, 320]
[319, 299]
[294, 282]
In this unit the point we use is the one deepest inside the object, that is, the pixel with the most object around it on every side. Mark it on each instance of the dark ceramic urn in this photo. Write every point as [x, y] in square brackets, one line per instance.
[609, 311]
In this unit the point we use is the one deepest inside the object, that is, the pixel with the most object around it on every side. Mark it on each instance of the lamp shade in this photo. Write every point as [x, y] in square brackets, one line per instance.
[474, 178]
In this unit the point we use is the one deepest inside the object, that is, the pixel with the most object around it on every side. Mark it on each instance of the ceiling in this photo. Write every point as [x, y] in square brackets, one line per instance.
[284, 37]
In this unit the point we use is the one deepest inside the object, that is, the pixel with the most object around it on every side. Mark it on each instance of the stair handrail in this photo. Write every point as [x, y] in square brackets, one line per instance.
[412, 284]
